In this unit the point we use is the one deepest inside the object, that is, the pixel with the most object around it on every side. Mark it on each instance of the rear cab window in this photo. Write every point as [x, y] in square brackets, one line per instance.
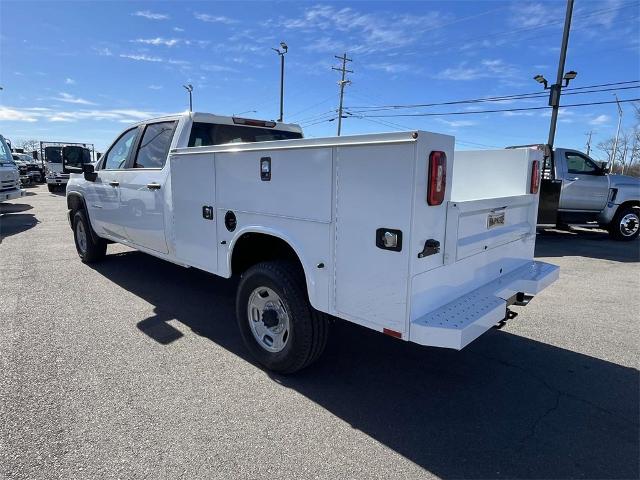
[206, 134]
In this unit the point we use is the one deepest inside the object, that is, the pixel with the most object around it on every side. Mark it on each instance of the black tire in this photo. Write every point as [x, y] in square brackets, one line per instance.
[51, 187]
[626, 218]
[308, 328]
[93, 250]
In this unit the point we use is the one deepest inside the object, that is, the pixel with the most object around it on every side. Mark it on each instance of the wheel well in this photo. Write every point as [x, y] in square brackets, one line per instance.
[252, 248]
[629, 203]
[75, 203]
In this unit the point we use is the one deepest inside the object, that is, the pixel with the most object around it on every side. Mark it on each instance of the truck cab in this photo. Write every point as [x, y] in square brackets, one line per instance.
[578, 190]
[9, 174]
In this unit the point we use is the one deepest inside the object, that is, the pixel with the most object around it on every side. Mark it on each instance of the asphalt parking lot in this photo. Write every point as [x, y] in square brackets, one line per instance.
[134, 368]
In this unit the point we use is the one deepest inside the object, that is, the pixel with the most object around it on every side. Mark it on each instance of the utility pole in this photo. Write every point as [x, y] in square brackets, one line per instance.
[589, 142]
[342, 84]
[281, 52]
[554, 95]
[615, 142]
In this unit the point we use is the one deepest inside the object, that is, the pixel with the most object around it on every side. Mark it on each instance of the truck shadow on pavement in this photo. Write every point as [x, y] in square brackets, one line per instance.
[505, 407]
[12, 221]
[585, 243]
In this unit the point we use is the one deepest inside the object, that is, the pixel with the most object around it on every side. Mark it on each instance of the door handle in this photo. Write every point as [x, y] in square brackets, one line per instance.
[573, 179]
[153, 186]
[113, 183]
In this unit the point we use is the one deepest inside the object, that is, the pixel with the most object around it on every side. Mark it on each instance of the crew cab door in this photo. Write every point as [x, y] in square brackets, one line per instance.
[584, 184]
[103, 194]
[143, 186]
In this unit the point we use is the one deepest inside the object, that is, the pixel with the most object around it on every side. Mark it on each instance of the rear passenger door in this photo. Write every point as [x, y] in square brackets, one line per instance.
[143, 187]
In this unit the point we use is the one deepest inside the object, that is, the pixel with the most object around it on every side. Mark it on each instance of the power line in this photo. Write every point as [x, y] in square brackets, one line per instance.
[475, 112]
[518, 96]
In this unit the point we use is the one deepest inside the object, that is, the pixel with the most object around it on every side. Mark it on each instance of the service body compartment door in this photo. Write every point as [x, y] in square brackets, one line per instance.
[374, 191]
[194, 219]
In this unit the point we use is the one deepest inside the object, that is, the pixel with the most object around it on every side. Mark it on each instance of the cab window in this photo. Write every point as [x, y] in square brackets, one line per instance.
[205, 134]
[154, 146]
[117, 156]
[580, 164]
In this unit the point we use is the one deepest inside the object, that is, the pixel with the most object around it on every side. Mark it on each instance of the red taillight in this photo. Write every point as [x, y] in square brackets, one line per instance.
[535, 176]
[437, 181]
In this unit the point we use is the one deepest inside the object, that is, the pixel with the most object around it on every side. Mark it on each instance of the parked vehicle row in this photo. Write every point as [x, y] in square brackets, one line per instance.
[396, 232]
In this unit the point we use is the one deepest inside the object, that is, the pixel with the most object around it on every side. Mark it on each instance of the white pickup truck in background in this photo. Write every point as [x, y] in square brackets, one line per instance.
[392, 231]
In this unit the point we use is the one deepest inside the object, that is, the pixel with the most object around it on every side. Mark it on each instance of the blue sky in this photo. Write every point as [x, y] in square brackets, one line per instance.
[81, 71]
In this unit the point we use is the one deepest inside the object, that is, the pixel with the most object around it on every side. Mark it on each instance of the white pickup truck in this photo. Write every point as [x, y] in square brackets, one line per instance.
[391, 231]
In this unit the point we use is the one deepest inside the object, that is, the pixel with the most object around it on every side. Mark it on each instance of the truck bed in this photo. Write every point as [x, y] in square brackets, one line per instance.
[330, 198]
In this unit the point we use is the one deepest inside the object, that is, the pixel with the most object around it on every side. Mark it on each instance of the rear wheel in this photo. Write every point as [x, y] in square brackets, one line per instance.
[90, 250]
[281, 329]
[625, 224]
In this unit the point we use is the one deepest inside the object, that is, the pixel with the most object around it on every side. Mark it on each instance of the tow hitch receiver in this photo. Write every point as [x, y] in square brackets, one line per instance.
[509, 315]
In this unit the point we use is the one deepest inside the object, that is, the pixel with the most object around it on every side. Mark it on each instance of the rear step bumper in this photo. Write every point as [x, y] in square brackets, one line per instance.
[461, 321]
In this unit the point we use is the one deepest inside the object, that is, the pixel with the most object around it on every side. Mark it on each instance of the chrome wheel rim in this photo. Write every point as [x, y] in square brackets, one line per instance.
[268, 319]
[81, 237]
[629, 224]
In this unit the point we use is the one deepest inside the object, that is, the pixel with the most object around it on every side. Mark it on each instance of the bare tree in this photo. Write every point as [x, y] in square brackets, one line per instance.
[627, 154]
[29, 145]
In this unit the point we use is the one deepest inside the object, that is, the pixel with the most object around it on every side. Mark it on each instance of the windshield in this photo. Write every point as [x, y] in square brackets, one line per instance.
[205, 134]
[53, 154]
[5, 153]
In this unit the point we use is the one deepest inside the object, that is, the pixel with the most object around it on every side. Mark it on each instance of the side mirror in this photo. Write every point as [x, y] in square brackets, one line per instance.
[605, 168]
[89, 172]
[72, 159]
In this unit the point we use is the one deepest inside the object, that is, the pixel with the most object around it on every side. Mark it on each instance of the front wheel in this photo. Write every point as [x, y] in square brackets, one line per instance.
[51, 187]
[281, 329]
[625, 224]
[90, 250]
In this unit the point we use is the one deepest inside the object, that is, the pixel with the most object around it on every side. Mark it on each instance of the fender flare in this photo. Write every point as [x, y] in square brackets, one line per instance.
[94, 235]
[295, 246]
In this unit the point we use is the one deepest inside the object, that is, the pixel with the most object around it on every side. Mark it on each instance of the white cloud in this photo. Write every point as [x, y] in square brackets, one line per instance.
[204, 17]
[68, 98]
[169, 42]
[34, 114]
[600, 120]
[391, 67]
[457, 123]
[155, 87]
[105, 52]
[533, 14]
[217, 68]
[364, 32]
[178, 29]
[150, 15]
[140, 57]
[486, 69]
[11, 115]
[70, 81]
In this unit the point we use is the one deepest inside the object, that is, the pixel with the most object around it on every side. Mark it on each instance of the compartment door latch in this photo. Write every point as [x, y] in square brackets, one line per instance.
[431, 247]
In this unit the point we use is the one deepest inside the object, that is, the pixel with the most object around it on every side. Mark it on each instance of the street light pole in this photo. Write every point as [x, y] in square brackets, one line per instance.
[281, 53]
[189, 88]
[554, 94]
